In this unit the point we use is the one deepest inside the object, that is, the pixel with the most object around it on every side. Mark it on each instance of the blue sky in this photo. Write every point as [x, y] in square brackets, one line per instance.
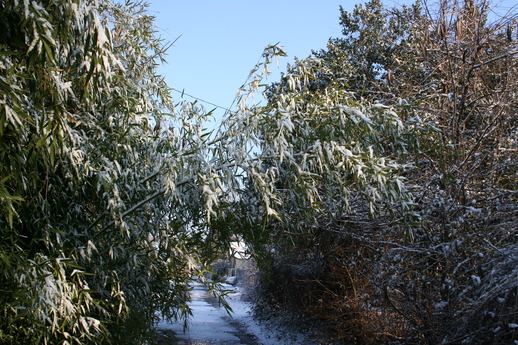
[219, 42]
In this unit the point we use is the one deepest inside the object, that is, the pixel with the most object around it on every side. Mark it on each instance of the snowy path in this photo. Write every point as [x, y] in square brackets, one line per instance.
[210, 323]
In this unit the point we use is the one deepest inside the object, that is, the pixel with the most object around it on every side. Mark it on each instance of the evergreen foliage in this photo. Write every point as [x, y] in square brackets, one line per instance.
[451, 74]
[113, 197]
[379, 180]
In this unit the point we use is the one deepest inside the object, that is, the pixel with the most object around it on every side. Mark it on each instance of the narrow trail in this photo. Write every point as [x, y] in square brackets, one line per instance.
[210, 324]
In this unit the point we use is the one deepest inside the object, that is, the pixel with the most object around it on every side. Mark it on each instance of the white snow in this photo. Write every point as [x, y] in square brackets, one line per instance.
[264, 335]
[210, 324]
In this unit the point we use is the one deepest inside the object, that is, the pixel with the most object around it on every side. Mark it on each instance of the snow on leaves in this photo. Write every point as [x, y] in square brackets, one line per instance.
[128, 190]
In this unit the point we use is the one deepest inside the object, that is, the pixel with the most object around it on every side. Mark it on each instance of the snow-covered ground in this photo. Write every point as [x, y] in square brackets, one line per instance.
[210, 323]
[265, 335]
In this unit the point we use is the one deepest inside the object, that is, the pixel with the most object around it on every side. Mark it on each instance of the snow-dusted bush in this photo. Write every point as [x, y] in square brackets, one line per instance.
[113, 197]
[451, 74]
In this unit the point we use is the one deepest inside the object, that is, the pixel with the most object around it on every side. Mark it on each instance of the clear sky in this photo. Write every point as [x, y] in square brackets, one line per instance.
[219, 42]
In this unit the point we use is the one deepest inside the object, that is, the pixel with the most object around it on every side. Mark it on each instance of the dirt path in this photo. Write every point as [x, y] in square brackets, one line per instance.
[210, 323]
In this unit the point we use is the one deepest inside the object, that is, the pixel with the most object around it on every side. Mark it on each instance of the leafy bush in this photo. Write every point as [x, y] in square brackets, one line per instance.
[447, 72]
